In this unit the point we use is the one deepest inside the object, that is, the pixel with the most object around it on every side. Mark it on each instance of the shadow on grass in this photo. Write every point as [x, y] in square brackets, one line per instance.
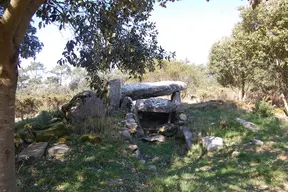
[256, 168]
[110, 167]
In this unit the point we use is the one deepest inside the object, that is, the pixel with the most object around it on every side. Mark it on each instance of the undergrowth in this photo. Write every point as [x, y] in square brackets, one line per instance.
[109, 165]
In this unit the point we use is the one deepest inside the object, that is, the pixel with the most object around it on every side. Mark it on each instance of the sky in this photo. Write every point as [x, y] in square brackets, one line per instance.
[188, 27]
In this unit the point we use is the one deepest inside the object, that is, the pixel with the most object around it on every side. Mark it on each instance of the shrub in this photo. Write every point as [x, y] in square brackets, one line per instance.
[263, 108]
[26, 107]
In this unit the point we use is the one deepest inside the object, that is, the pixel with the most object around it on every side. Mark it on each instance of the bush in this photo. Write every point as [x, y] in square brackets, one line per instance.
[26, 107]
[263, 108]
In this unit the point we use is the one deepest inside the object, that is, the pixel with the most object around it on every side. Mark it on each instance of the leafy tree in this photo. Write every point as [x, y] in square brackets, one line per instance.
[52, 80]
[30, 45]
[231, 60]
[113, 33]
[61, 71]
[269, 24]
[22, 78]
[78, 79]
[35, 71]
[193, 75]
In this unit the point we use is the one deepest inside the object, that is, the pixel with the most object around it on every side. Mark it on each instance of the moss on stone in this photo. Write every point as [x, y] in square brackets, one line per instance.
[90, 138]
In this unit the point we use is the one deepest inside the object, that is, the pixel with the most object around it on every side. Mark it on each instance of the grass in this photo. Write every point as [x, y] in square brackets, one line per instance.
[109, 166]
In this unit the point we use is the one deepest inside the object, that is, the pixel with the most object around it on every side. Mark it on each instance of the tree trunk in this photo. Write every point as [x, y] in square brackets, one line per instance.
[242, 92]
[13, 25]
[8, 83]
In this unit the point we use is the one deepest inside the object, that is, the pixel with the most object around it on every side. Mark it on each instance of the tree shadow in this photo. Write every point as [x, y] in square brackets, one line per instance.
[111, 167]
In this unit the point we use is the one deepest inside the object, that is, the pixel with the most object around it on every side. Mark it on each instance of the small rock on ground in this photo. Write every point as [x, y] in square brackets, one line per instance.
[159, 138]
[212, 143]
[183, 117]
[152, 167]
[247, 125]
[257, 142]
[57, 149]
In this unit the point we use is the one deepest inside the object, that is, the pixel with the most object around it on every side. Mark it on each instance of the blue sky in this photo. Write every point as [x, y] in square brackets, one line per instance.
[189, 27]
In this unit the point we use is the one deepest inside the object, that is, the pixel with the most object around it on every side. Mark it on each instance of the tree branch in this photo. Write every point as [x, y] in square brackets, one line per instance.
[13, 15]
[23, 25]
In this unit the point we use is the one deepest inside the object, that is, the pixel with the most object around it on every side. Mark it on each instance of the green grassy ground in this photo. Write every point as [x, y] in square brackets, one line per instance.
[109, 166]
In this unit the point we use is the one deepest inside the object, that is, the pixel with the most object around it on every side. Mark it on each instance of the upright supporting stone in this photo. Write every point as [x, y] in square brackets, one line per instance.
[115, 93]
[175, 98]
[127, 104]
[188, 136]
[140, 130]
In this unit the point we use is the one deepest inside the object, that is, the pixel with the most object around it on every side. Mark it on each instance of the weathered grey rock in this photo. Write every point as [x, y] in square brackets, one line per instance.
[183, 117]
[127, 104]
[168, 129]
[36, 150]
[126, 134]
[129, 115]
[159, 138]
[84, 105]
[58, 149]
[176, 98]
[180, 123]
[128, 121]
[137, 154]
[140, 132]
[188, 136]
[257, 142]
[133, 147]
[158, 105]
[247, 124]
[212, 143]
[146, 90]
[132, 131]
[115, 93]
[131, 125]
[152, 167]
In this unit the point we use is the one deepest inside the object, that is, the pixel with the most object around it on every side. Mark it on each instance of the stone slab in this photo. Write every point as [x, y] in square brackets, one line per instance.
[115, 93]
[36, 150]
[57, 149]
[152, 89]
[157, 105]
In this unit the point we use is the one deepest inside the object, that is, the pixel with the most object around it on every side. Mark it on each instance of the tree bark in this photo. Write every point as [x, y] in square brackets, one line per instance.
[13, 25]
[8, 83]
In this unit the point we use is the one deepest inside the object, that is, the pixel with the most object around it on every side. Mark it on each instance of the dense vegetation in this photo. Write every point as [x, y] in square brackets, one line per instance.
[254, 58]
[115, 39]
[110, 166]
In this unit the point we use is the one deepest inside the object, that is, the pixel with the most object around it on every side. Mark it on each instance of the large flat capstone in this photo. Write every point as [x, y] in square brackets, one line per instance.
[157, 105]
[155, 89]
